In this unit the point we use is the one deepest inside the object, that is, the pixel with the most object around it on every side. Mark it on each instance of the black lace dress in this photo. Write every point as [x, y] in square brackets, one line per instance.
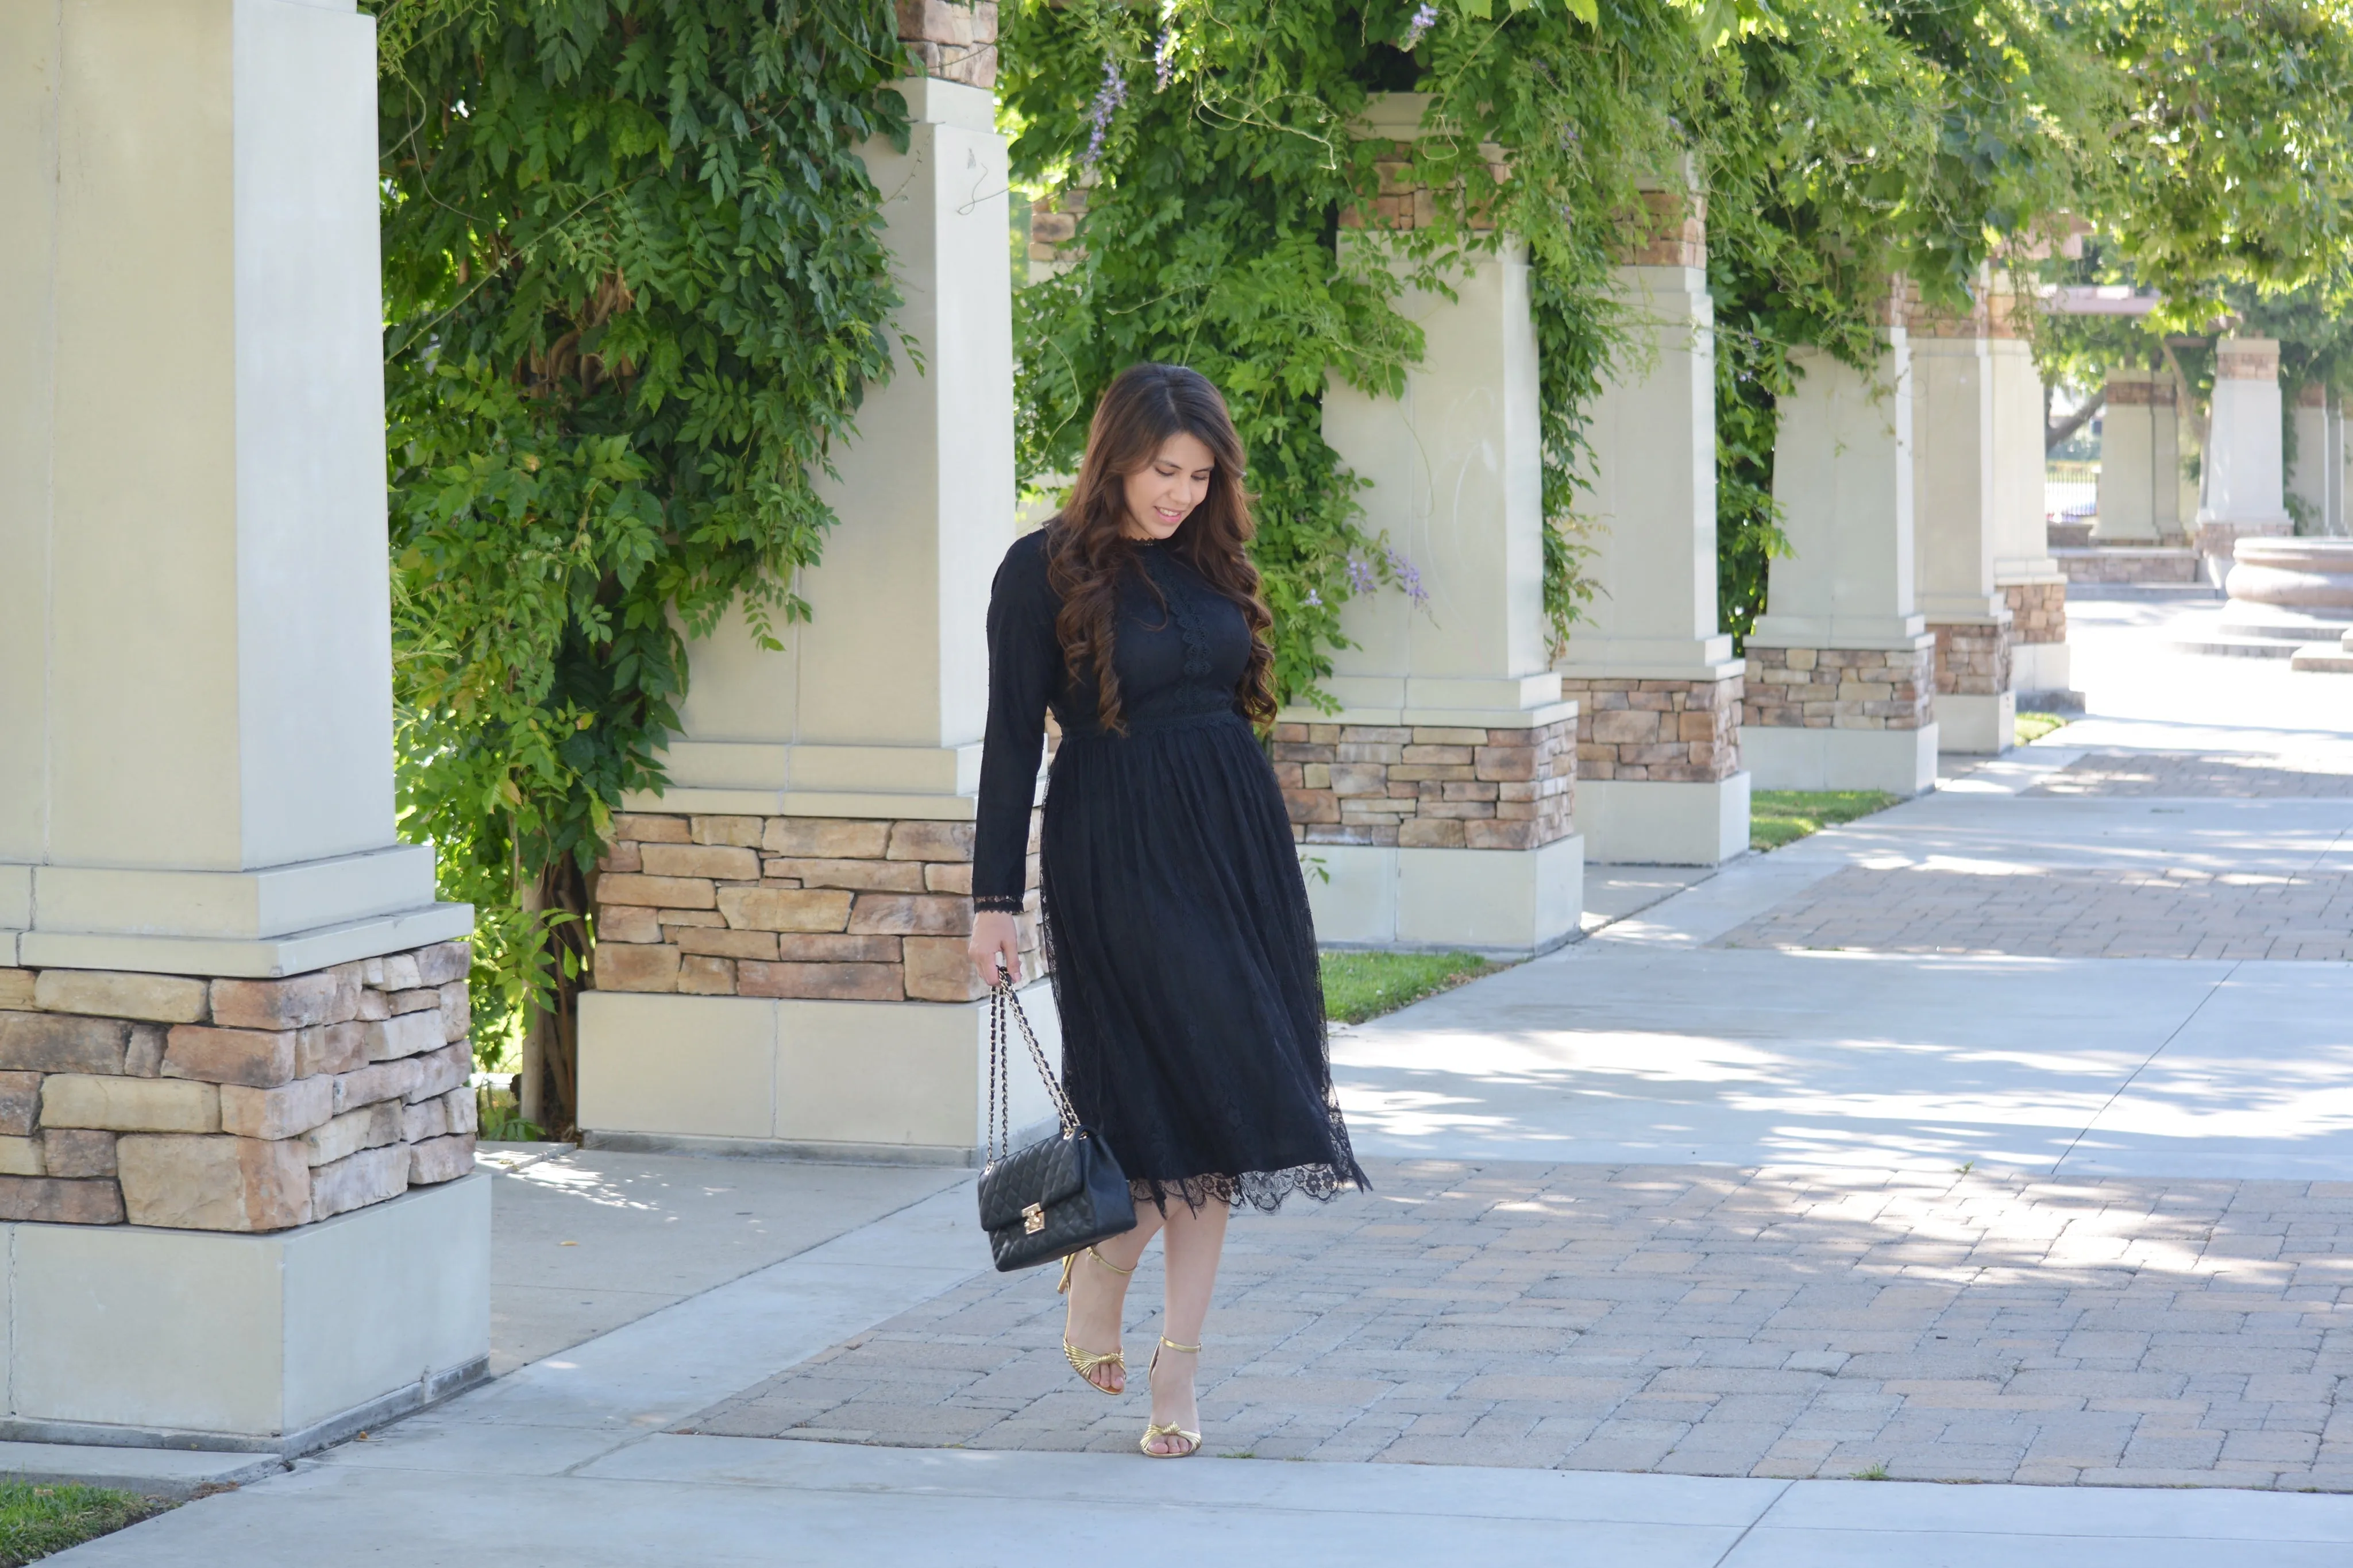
[1175, 918]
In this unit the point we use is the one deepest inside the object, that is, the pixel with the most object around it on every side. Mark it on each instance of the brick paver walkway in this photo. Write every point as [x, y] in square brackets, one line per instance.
[2065, 913]
[1695, 1320]
[2209, 775]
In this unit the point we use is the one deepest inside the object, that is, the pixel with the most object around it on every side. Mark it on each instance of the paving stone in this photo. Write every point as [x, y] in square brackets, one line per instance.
[1517, 1314]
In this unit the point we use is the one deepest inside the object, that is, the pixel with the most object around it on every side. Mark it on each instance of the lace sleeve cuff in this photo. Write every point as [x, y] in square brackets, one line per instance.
[998, 903]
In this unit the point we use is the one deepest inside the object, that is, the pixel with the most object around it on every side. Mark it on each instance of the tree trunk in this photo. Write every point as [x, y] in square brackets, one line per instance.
[2057, 436]
[531, 1084]
[551, 1036]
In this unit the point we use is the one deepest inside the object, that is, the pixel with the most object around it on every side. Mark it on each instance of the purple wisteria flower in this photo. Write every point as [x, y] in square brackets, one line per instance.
[1164, 60]
[1112, 93]
[1423, 20]
[1408, 576]
[1362, 578]
[1314, 600]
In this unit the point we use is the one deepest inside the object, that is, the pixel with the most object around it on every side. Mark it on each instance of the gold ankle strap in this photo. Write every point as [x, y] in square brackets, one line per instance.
[1172, 1344]
[1115, 1268]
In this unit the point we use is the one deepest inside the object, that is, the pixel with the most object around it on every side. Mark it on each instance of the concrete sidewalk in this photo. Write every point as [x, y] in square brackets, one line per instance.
[566, 1462]
[1829, 1163]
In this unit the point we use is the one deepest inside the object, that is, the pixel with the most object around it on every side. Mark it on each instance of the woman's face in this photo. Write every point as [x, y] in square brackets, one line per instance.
[1162, 493]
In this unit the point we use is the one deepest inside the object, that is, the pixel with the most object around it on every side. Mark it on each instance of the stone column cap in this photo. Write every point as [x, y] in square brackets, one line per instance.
[1966, 610]
[1436, 717]
[1811, 631]
[1601, 662]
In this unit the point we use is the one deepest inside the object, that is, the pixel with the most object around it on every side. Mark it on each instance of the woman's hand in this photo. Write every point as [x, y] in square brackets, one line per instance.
[994, 936]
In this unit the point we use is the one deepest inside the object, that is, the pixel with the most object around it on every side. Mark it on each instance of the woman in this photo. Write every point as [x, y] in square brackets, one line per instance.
[1175, 919]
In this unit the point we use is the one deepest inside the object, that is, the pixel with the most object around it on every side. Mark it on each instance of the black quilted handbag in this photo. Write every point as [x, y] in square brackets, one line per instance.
[1061, 1193]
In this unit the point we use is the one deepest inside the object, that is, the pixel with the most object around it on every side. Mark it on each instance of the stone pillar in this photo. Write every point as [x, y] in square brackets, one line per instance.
[780, 960]
[231, 1013]
[2309, 477]
[2032, 586]
[2138, 459]
[1436, 801]
[1841, 677]
[1659, 774]
[2242, 495]
[1955, 496]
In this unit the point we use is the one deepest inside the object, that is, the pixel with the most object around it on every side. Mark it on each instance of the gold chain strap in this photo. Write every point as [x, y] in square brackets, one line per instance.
[998, 1125]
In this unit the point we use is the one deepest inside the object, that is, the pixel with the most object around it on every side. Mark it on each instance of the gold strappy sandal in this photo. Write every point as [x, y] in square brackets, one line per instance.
[1084, 1361]
[1154, 1429]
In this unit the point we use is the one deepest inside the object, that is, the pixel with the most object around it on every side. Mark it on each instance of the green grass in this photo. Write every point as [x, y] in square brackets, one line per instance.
[35, 1521]
[1361, 986]
[2032, 727]
[1876, 1473]
[1778, 816]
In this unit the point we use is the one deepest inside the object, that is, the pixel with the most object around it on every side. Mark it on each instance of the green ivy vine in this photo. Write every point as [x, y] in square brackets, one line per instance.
[633, 293]
[1220, 152]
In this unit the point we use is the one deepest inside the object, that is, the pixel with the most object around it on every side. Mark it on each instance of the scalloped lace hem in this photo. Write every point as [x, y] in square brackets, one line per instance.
[1260, 1190]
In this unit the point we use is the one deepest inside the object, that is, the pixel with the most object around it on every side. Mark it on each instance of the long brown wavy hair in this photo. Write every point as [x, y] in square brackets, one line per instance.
[1087, 547]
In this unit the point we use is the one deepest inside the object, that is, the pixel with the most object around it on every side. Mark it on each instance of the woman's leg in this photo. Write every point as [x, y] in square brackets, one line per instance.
[1098, 1295]
[1192, 1247]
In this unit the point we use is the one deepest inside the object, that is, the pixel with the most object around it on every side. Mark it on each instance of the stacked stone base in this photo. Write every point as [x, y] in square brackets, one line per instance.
[232, 1105]
[2038, 612]
[951, 40]
[1972, 660]
[1427, 786]
[832, 909]
[1838, 688]
[1678, 732]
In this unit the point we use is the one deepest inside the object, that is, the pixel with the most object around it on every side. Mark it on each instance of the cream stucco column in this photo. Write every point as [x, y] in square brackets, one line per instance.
[2030, 579]
[1841, 667]
[2315, 477]
[195, 623]
[2137, 459]
[780, 958]
[1435, 802]
[1955, 496]
[2242, 495]
[230, 1011]
[1659, 773]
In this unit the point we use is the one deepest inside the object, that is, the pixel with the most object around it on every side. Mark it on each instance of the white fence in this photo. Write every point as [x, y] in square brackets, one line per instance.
[2070, 489]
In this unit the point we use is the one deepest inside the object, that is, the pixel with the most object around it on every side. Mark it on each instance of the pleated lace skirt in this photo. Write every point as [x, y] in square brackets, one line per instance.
[1183, 957]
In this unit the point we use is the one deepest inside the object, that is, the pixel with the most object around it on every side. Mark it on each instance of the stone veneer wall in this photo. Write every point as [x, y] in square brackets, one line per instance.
[1685, 732]
[242, 1105]
[951, 40]
[840, 909]
[1839, 688]
[1427, 787]
[1400, 204]
[2129, 563]
[1971, 660]
[2038, 612]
